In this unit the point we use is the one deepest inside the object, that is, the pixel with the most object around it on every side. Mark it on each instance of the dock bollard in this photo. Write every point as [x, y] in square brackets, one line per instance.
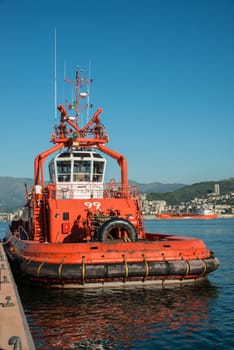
[16, 341]
[8, 302]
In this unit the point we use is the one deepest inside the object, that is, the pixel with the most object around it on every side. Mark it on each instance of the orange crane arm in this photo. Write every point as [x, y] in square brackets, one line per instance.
[38, 164]
[122, 161]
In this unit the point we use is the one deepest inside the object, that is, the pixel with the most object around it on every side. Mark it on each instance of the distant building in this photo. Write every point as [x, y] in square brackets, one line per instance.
[216, 189]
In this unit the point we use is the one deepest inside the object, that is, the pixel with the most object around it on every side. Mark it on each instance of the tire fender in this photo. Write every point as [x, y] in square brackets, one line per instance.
[117, 223]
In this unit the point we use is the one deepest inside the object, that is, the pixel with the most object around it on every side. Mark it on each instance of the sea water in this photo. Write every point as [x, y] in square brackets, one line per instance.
[199, 316]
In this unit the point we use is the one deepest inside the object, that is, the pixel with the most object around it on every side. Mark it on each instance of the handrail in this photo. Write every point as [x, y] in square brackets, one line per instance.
[73, 191]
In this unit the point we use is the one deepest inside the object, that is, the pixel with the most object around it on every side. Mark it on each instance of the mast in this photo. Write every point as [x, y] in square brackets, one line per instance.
[77, 95]
[78, 82]
[88, 90]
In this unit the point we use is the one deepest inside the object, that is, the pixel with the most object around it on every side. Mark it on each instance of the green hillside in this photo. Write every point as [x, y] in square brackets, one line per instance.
[197, 190]
[12, 193]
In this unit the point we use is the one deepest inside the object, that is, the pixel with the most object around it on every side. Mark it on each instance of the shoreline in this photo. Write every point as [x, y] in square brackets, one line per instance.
[153, 217]
[220, 216]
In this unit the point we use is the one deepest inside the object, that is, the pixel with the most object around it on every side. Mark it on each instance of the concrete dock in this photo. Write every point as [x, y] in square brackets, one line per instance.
[14, 330]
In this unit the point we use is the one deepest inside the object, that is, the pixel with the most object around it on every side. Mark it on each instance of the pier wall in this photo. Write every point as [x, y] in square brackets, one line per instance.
[14, 329]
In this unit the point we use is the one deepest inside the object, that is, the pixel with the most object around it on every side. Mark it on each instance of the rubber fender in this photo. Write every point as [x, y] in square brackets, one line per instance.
[117, 223]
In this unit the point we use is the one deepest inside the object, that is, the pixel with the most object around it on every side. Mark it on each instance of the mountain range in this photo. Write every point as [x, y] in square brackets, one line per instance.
[156, 187]
[12, 191]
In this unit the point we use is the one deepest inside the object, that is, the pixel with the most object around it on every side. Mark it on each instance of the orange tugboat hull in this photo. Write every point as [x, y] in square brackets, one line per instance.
[157, 259]
[77, 231]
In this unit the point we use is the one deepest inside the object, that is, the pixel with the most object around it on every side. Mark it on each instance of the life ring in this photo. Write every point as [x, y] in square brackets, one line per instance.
[108, 231]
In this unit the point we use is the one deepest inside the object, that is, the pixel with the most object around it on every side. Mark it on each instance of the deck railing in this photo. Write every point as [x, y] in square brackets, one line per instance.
[76, 191]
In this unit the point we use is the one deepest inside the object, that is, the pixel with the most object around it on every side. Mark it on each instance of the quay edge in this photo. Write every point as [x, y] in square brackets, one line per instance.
[14, 329]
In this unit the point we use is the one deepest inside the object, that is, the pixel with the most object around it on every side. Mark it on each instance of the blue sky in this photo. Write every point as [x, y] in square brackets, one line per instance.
[163, 73]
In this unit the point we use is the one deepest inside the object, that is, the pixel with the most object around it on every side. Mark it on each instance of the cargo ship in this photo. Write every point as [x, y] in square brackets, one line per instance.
[200, 214]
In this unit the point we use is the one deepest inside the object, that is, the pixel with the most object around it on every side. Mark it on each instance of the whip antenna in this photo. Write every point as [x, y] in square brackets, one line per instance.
[88, 97]
[55, 75]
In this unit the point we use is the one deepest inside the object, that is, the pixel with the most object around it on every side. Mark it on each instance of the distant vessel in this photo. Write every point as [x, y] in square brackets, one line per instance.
[77, 231]
[200, 214]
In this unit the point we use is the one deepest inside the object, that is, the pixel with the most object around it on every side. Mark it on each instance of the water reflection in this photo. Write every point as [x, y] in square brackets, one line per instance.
[195, 228]
[123, 318]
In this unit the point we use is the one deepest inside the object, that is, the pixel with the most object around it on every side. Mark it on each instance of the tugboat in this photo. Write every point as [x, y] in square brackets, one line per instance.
[77, 231]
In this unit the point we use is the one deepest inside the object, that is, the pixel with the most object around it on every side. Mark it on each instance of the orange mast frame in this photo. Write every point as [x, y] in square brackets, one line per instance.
[79, 139]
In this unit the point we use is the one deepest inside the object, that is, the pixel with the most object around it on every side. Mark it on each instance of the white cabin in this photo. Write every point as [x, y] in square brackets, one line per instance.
[78, 174]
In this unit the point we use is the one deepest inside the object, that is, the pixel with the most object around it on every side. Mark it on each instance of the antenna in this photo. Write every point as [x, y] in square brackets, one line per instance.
[88, 97]
[55, 75]
[76, 105]
[64, 70]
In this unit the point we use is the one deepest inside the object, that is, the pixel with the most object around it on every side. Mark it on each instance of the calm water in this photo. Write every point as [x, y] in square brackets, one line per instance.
[190, 317]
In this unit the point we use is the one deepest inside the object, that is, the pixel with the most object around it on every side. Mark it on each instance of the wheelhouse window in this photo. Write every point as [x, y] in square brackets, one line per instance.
[75, 167]
[64, 170]
[64, 155]
[81, 155]
[81, 170]
[98, 171]
[52, 172]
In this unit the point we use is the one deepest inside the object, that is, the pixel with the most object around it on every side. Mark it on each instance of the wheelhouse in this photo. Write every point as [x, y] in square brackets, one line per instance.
[78, 174]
